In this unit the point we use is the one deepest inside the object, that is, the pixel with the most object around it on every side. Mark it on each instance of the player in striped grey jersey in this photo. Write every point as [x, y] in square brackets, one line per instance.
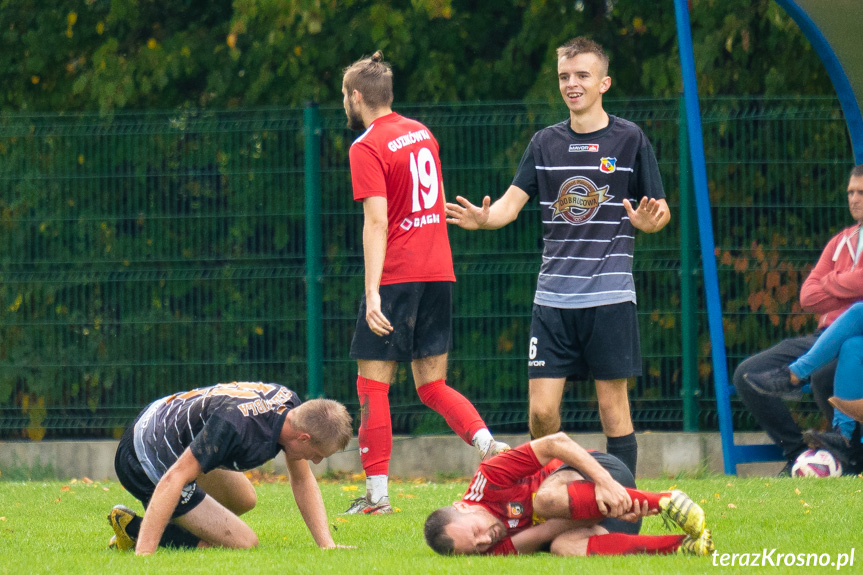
[596, 180]
[184, 457]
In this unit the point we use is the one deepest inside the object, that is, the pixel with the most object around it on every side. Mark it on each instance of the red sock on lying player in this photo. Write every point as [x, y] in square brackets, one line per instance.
[624, 544]
[582, 499]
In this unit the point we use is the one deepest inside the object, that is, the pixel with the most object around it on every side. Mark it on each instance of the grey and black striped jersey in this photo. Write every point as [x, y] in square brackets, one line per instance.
[581, 180]
[231, 425]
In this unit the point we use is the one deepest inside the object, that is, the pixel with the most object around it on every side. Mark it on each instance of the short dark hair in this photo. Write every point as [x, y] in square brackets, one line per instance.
[583, 45]
[856, 171]
[371, 77]
[436, 538]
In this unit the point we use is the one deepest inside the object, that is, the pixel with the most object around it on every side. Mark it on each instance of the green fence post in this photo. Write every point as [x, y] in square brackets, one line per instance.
[314, 267]
[688, 271]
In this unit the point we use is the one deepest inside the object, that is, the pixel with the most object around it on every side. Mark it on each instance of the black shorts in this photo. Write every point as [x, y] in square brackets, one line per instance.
[133, 477]
[421, 316]
[600, 342]
[620, 473]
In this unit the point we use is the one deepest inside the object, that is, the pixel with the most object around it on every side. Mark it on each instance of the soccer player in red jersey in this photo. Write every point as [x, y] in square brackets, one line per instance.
[551, 494]
[406, 310]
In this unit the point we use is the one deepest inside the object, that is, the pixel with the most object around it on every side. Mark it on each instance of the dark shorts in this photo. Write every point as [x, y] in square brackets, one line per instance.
[600, 342]
[133, 477]
[620, 473]
[421, 316]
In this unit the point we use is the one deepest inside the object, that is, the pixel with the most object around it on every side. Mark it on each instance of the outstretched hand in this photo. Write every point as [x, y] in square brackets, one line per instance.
[466, 215]
[648, 216]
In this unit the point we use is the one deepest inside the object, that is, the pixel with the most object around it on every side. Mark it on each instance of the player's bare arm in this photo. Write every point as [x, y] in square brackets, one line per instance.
[307, 494]
[537, 537]
[611, 497]
[488, 216]
[650, 215]
[164, 501]
[374, 251]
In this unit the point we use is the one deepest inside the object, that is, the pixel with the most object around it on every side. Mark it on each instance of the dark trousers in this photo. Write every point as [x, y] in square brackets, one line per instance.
[771, 412]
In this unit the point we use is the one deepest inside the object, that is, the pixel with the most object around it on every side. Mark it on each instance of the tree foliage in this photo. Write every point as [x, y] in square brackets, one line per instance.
[138, 244]
[107, 55]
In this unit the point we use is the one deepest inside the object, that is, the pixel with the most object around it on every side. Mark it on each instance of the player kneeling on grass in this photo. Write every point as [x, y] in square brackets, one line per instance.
[184, 456]
[551, 494]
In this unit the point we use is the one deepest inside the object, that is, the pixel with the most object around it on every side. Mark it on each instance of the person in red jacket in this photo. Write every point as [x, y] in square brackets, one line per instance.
[833, 285]
[551, 494]
[406, 311]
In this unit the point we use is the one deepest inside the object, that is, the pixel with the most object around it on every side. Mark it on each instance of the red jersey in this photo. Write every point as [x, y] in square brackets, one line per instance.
[506, 484]
[836, 281]
[397, 158]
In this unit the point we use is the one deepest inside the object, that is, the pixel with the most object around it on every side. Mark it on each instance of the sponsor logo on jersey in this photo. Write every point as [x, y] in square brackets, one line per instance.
[607, 165]
[514, 509]
[579, 199]
[513, 523]
[408, 139]
[584, 147]
[187, 493]
[420, 221]
[536, 363]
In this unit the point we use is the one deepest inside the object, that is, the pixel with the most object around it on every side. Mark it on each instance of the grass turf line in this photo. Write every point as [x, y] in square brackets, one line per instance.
[60, 527]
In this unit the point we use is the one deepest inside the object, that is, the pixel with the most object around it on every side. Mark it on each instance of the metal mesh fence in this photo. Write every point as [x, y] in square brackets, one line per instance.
[141, 254]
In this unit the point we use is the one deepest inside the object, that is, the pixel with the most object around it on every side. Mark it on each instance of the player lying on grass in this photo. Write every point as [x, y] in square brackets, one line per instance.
[184, 456]
[551, 494]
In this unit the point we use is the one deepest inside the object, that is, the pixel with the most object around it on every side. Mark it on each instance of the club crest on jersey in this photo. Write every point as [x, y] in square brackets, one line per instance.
[514, 509]
[584, 147]
[607, 165]
[578, 200]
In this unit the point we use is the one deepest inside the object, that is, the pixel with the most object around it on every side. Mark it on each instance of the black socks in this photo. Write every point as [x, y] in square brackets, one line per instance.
[624, 448]
[174, 535]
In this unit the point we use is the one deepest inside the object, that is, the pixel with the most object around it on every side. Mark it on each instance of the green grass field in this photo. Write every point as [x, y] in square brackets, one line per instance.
[60, 527]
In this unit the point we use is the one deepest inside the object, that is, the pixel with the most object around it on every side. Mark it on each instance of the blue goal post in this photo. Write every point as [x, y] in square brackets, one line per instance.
[833, 28]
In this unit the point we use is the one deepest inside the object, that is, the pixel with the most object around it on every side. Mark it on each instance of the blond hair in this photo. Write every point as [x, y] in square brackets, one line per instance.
[371, 77]
[327, 422]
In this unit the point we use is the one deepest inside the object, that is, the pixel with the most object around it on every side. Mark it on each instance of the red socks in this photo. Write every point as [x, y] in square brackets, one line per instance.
[376, 428]
[459, 413]
[623, 544]
[582, 499]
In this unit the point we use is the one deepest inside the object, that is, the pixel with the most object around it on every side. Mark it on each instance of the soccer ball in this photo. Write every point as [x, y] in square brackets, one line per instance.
[816, 463]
